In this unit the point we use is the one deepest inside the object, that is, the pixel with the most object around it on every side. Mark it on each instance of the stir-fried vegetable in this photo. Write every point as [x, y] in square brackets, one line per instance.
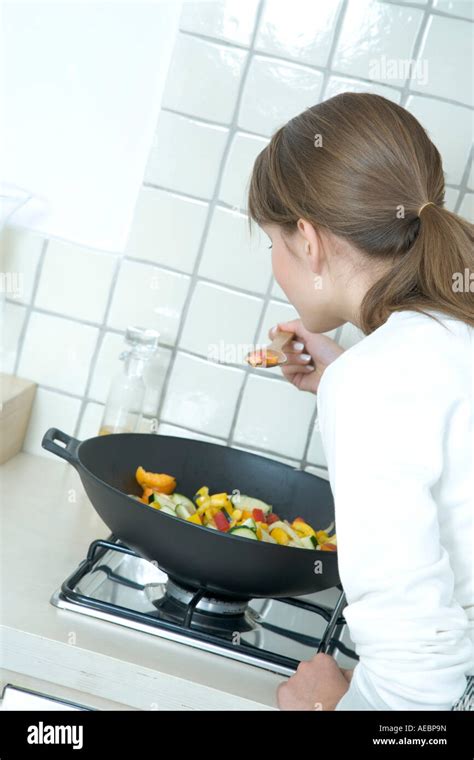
[235, 513]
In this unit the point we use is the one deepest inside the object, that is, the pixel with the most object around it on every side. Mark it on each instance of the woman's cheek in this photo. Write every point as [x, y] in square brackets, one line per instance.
[281, 270]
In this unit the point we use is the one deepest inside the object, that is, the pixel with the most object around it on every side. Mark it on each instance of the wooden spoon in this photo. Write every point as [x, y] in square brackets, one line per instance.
[272, 355]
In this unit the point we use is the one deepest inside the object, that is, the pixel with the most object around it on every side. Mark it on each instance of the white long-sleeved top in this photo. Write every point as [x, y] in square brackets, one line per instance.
[396, 420]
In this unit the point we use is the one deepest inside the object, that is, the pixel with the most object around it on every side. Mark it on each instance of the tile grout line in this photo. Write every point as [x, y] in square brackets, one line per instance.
[248, 371]
[419, 39]
[210, 212]
[30, 306]
[100, 337]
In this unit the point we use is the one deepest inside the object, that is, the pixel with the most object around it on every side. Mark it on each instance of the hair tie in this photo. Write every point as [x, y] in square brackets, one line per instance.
[428, 203]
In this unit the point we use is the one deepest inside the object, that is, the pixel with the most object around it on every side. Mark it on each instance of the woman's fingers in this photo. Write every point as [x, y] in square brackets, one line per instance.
[304, 379]
[296, 369]
[297, 357]
[297, 366]
[295, 326]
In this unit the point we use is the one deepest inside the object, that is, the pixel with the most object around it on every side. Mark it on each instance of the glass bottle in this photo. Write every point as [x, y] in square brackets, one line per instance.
[124, 407]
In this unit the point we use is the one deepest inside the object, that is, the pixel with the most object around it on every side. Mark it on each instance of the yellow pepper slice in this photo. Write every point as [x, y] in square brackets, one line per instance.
[203, 502]
[194, 518]
[280, 536]
[210, 512]
[220, 500]
[322, 536]
[303, 528]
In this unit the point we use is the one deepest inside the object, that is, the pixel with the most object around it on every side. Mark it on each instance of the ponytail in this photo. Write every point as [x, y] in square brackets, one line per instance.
[435, 273]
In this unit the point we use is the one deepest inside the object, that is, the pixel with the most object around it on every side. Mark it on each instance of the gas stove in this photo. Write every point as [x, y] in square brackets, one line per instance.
[114, 584]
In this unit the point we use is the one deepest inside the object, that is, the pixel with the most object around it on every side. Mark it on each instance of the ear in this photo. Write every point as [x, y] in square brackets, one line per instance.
[313, 250]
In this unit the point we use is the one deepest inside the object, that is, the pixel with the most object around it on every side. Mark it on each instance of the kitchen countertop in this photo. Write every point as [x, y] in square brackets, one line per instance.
[46, 526]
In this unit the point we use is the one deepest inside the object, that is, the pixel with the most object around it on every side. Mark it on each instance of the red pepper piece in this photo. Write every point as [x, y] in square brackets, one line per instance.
[271, 518]
[221, 522]
[258, 515]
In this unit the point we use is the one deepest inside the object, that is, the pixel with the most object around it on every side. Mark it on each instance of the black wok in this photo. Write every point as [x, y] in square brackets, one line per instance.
[194, 556]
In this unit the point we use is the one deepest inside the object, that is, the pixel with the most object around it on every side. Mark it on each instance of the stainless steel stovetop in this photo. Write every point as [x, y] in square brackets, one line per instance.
[115, 585]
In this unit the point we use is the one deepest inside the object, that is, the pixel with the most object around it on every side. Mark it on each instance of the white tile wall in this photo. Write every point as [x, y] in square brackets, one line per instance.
[275, 312]
[340, 84]
[467, 206]
[273, 416]
[445, 77]
[165, 429]
[231, 20]
[274, 92]
[167, 229]
[451, 197]
[462, 8]
[91, 419]
[240, 69]
[57, 352]
[186, 155]
[204, 79]
[12, 317]
[371, 30]
[202, 395]
[218, 314]
[147, 295]
[20, 252]
[304, 33]
[440, 118]
[243, 152]
[234, 255]
[75, 281]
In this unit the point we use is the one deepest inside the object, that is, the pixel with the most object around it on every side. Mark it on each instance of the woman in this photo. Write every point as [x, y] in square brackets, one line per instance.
[351, 195]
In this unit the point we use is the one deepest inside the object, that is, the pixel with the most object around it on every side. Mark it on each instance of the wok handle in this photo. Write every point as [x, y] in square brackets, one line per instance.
[68, 451]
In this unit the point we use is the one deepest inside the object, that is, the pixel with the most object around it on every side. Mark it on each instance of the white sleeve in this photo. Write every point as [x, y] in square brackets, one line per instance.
[383, 428]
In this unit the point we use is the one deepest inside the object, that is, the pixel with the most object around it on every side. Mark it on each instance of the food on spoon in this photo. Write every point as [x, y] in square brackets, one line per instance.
[263, 358]
[235, 513]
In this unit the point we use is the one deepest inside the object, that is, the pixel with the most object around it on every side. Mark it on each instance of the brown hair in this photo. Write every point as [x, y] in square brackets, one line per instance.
[373, 169]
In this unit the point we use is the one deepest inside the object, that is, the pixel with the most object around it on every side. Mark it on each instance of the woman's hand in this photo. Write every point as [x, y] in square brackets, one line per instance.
[308, 355]
[318, 684]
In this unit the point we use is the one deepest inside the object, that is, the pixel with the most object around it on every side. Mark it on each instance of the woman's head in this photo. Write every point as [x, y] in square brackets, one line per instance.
[338, 190]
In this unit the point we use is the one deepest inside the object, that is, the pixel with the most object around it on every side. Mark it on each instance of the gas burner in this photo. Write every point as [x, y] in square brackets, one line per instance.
[207, 603]
[115, 585]
[193, 608]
